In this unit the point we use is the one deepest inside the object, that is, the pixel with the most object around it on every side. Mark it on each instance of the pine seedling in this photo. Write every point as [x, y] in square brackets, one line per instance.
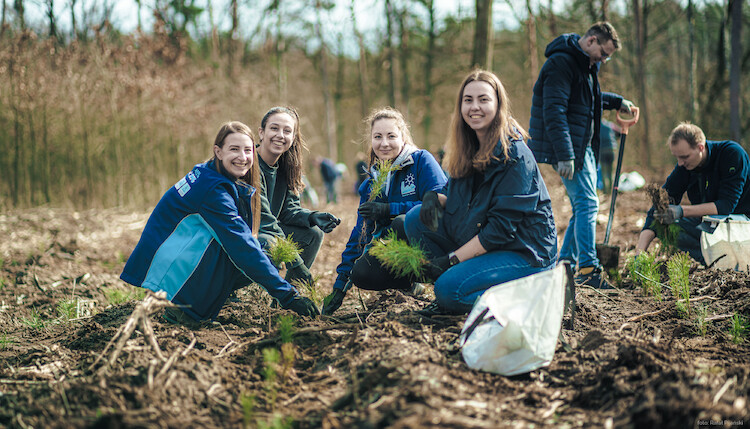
[678, 270]
[117, 296]
[377, 184]
[66, 309]
[667, 234]
[288, 352]
[398, 256]
[644, 271]
[5, 341]
[286, 328]
[270, 361]
[739, 328]
[34, 320]
[309, 289]
[283, 250]
[701, 324]
[248, 409]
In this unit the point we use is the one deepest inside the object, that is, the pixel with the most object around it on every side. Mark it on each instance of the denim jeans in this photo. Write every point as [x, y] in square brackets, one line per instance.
[459, 287]
[579, 244]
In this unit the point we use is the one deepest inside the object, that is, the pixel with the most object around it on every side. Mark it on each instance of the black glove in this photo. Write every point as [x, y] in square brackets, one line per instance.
[671, 215]
[431, 210]
[436, 267]
[303, 306]
[325, 221]
[300, 273]
[332, 302]
[375, 211]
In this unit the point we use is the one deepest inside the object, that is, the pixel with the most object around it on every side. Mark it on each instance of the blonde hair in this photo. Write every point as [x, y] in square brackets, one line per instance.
[385, 113]
[691, 133]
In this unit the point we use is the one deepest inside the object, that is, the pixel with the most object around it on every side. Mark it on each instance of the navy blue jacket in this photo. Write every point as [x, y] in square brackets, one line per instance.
[419, 173]
[723, 180]
[564, 109]
[197, 247]
[510, 209]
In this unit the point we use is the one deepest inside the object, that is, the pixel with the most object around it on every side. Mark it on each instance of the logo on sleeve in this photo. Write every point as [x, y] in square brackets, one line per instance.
[182, 187]
[408, 186]
[732, 170]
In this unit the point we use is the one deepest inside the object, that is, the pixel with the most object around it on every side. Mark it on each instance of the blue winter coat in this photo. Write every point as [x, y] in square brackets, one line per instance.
[197, 247]
[565, 110]
[510, 209]
[723, 180]
[419, 173]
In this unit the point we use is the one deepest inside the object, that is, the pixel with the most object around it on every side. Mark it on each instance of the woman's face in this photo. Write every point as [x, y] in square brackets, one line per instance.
[479, 106]
[277, 136]
[236, 156]
[387, 140]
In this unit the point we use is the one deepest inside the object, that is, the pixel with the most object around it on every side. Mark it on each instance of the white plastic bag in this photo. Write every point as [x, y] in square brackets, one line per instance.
[729, 241]
[631, 181]
[513, 327]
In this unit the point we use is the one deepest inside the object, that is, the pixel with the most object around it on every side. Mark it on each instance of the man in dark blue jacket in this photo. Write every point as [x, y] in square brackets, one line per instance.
[716, 177]
[565, 123]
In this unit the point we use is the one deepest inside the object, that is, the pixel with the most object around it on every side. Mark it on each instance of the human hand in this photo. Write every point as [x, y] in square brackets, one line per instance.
[375, 211]
[431, 210]
[332, 302]
[436, 267]
[325, 221]
[566, 169]
[303, 306]
[626, 106]
[669, 216]
[299, 273]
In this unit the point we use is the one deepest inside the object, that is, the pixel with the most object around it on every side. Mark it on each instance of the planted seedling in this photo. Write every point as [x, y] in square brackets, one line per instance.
[678, 270]
[309, 289]
[34, 320]
[398, 256]
[644, 271]
[5, 341]
[701, 324]
[66, 310]
[739, 328]
[283, 250]
[117, 296]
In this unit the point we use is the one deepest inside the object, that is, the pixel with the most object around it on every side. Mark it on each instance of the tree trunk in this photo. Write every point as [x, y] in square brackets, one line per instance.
[362, 65]
[552, 20]
[391, 55]
[73, 27]
[693, 85]
[20, 15]
[735, 71]
[404, 60]
[330, 127]
[51, 17]
[234, 37]
[279, 48]
[640, 17]
[338, 95]
[483, 35]
[428, 65]
[531, 44]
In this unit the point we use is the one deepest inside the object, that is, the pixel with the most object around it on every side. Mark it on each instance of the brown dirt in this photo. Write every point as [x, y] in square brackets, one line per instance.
[659, 197]
[379, 366]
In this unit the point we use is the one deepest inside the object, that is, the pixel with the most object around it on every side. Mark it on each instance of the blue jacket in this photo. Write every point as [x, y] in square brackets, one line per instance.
[419, 173]
[723, 180]
[566, 110]
[509, 209]
[197, 247]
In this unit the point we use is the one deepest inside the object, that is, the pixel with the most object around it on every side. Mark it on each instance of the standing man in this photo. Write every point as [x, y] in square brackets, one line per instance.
[566, 114]
[716, 177]
[330, 175]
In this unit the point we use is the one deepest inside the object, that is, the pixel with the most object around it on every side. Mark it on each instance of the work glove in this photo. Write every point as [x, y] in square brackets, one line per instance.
[431, 210]
[332, 302]
[566, 168]
[626, 106]
[303, 306]
[325, 221]
[669, 216]
[436, 267]
[300, 273]
[375, 211]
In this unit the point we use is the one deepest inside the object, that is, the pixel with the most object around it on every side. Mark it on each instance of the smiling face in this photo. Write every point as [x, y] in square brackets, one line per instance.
[236, 155]
[479, 106]
[276, 137]
[387, 139]
[687, 156]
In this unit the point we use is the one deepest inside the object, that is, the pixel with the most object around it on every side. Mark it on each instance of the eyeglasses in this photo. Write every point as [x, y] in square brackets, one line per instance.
[604, 55]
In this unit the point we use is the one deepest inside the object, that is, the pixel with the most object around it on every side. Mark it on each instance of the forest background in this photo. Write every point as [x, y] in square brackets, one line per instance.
[92, 115]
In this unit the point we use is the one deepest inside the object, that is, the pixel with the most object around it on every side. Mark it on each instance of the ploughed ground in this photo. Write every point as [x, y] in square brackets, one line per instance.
[634, 361]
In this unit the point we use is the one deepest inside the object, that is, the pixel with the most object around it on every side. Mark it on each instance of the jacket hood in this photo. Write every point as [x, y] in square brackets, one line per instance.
[569, 44]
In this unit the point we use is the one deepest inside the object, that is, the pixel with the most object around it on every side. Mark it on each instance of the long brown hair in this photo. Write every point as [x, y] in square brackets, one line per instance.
[290, 162]
[252, 177]
[464, 152]
[385, 113]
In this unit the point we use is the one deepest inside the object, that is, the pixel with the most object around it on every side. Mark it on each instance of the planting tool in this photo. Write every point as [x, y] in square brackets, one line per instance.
[609, 256]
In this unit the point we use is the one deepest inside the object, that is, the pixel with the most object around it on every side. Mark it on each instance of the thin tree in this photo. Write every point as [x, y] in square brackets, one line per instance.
[483, 35]
[2, 20]
[531, 44]
[429, 59]
[338, 96]
[51, 17]
[73, 26]
[404, 51]
[361, 63]
[640, 18]
[735, 7]
[389, 52]
[18, 6]
[693, 59]
[329, 113]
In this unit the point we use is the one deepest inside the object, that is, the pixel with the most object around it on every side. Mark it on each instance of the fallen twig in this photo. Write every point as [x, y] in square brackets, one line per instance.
[723, 389]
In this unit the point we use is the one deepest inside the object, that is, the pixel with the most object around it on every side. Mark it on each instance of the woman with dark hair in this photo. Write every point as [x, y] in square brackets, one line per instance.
[200, 244]
[492, 222]
[280, 161]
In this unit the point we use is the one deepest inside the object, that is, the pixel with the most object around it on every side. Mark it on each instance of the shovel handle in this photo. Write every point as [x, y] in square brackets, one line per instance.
[627, 123]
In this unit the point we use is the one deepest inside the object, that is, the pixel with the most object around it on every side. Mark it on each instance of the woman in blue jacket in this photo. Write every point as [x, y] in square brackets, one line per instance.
[416, 172]
[492, 222]
[199, 243]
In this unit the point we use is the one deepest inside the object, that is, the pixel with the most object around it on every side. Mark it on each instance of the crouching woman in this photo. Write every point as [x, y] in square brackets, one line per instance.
[200, 243]
[492, 222]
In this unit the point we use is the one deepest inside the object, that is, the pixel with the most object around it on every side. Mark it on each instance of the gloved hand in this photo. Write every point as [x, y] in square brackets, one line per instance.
[299, 273]
[566, 169]
[671, 215]
[325, 221]
[431, 210]
[626, 106]
[436, 267]
[303, 306]
[375, 211]
[332, 302]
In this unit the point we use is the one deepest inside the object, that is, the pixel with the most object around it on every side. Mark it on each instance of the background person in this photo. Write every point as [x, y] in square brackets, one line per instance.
[330, 175]
[566, 114]
[492, 222]
[417, 173]
[716, 177]
[199, 243]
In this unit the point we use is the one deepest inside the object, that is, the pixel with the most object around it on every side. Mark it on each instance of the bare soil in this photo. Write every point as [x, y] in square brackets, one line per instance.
[634, 363]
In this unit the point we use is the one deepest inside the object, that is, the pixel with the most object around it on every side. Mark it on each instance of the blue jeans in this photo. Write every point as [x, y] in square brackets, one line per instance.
[459, 287]
[579, 244]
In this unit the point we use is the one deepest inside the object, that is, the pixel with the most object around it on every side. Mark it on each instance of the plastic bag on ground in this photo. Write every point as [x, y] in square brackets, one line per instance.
[513, 327]
[631, 181]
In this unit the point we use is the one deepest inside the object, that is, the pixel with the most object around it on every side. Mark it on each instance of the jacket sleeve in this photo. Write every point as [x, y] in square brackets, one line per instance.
[357, 239]
[558, 82]
[734, 168]
[292, 212]
[219, 210]
[269, 225]
[611, 101]
[515, 196]
[429, 176]
[676, 186]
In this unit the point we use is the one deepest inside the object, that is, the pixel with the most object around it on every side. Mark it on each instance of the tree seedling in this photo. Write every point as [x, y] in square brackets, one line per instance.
[644, 271]
[678, 270]
[5, 341]
[701, 324]
[66, 310]
[309, 288]
[739, 328]
[283, 250]
[34, 320]
[398, 256]
[384, 168]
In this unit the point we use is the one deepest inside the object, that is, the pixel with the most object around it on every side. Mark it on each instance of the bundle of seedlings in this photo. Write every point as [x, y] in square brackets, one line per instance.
[384, 168]
[283, 250]
[399, 257]
[309, 288]
[667, 234]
